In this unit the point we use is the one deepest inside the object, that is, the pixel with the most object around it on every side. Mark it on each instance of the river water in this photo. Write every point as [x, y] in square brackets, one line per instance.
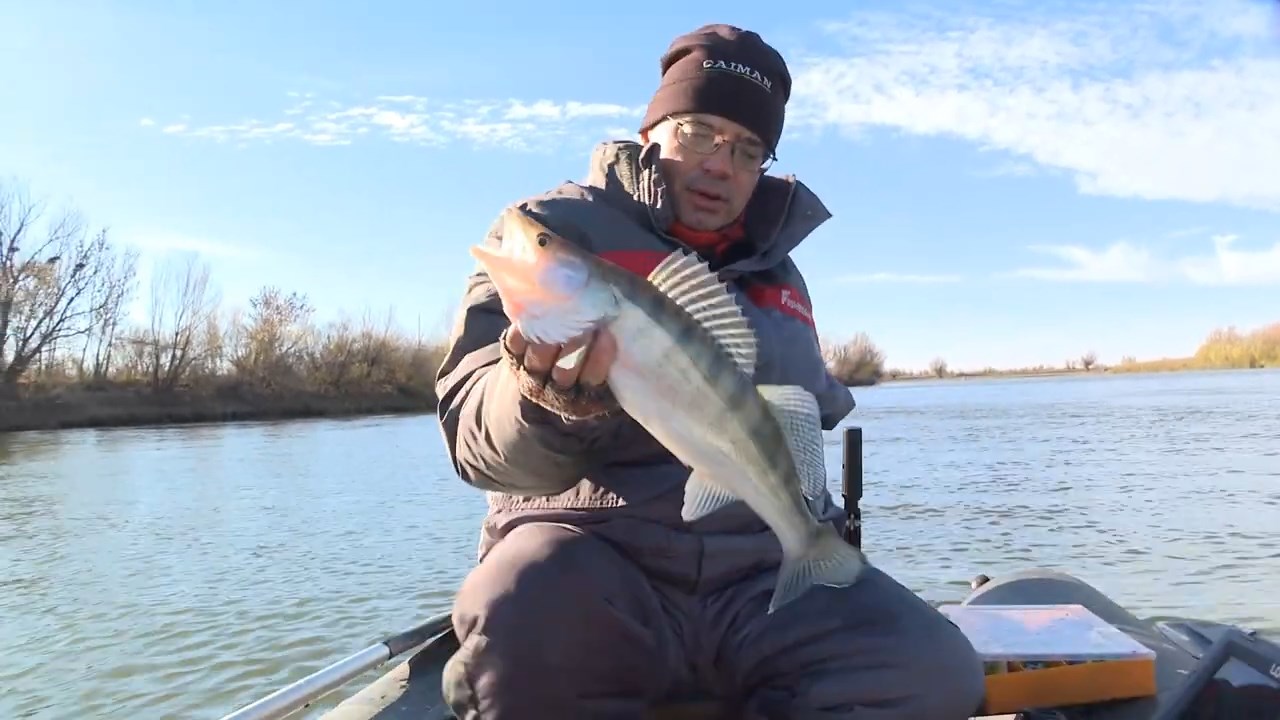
[181, 572]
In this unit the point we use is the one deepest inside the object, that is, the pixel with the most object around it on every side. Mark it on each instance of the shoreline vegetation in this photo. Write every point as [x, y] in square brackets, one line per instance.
[72, 357]
[858, 362]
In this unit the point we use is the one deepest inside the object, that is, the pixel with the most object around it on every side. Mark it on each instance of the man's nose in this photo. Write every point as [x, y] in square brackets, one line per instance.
[719, 164]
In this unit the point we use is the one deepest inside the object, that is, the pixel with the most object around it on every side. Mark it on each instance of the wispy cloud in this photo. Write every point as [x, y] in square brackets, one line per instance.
[1168, 99]
[893, 277]
[1186, 232]
[1124, 262]
[161, 243]
[510, 124]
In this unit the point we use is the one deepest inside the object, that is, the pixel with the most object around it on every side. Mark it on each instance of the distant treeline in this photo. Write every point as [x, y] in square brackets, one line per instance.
[860, 362]
[69, 355]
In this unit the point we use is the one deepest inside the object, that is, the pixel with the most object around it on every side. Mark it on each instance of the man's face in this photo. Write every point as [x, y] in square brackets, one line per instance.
[709, 185]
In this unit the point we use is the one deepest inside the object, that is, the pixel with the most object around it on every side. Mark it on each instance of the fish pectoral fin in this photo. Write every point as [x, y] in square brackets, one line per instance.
[797, 411]
[827, 560]
[703, 496]
[689, 282]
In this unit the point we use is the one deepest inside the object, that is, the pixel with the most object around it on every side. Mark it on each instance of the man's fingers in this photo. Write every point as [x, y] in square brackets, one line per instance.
[516, 342]
[538, 358]
[565, 377]
[598, 359]
[589, 367]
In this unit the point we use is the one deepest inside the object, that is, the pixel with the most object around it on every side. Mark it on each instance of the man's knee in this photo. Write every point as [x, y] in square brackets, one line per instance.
[931, 673]
[933, 670]
[544, 578]
[552, 615]
[949, 674]
[540, 571]
[873, 649]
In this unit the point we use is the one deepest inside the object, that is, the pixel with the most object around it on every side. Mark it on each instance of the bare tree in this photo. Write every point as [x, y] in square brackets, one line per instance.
[48, 274]
[855, 362]
[1088, 360]
[938, 367]
[180, 310]
[111, 297]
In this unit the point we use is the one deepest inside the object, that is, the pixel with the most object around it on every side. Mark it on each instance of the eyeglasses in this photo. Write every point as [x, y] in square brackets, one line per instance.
[748, 156]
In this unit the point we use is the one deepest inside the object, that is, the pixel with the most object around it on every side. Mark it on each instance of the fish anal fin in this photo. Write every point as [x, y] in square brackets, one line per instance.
[690, 283]
[703, 496]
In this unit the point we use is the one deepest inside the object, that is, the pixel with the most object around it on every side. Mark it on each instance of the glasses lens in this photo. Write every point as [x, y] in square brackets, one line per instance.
[703, 139]
[696, 137]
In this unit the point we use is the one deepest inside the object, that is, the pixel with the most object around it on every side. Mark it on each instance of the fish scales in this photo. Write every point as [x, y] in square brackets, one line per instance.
[734, 388]
[741, 404]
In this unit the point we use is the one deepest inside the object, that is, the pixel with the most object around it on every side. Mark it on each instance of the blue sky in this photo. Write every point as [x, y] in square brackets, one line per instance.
[1011, 183]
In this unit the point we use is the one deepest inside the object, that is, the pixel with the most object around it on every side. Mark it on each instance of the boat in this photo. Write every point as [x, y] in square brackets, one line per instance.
[412, 689]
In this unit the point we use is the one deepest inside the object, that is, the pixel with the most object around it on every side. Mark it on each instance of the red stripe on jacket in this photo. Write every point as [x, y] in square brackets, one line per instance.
[778, 296]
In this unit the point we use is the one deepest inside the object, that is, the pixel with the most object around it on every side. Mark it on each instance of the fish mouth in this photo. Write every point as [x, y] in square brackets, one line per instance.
[496, 263]
[509, 276]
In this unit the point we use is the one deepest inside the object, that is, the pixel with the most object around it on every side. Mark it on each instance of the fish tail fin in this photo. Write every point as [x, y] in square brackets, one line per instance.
[826, 560]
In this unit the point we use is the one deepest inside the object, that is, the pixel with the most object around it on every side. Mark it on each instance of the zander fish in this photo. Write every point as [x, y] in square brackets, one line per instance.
[686, 357]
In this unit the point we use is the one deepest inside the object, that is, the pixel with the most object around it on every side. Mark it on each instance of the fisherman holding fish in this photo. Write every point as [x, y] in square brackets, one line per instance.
[635, 379]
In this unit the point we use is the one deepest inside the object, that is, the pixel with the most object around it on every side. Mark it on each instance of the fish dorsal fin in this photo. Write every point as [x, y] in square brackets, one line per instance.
[797, 412]
[691, 284]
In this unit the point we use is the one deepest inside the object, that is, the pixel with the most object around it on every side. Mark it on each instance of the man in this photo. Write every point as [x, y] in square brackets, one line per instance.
[592, 599]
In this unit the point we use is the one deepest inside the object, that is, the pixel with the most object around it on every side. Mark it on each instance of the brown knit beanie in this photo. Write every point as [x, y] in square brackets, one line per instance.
[726, 71]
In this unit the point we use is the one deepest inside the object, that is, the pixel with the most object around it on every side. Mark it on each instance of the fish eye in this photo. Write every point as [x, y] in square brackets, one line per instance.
[543, 239]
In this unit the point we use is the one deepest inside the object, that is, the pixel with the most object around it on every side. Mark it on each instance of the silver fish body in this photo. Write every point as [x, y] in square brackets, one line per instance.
[686, 356]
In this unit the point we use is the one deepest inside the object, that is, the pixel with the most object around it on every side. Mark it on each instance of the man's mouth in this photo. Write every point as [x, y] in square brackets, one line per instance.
[706, 197]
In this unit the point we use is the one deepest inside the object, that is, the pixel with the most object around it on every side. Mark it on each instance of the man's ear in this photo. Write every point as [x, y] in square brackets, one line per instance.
[644, 137]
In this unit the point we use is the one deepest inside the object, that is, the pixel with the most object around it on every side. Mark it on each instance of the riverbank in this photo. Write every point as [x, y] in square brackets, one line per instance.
[859, 363]
[398, 379]
[1164, 365]
[116, 405]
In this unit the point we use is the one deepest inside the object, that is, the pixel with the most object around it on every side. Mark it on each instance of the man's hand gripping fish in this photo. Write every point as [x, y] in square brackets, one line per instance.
[684, 367]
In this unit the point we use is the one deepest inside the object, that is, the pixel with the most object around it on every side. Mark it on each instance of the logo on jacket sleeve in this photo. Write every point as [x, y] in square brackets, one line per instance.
[784, 298]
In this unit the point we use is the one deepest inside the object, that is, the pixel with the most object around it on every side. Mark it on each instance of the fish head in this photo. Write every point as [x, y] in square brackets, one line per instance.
[547, 285]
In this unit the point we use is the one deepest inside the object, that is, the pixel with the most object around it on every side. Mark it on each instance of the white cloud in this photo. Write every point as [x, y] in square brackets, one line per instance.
[510, 124]
[1154, 99]
[892, 277]
[1127, 263]
[1175, 99]
[1228, 266]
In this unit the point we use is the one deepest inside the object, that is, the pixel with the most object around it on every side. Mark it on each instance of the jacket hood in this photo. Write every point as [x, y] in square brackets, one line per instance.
[781, 213]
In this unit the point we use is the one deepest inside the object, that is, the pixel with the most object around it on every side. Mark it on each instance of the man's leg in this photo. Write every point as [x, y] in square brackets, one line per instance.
[556, 623]
[871, 651]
